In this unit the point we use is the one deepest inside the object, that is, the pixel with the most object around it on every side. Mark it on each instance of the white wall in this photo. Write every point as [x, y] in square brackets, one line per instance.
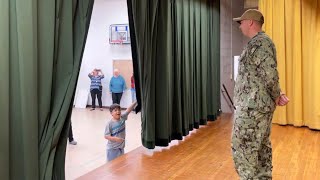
[231, 44]
[99, 53]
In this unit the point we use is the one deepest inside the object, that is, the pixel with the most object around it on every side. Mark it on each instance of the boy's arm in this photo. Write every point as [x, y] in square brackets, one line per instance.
[131, 107]
[112, 138]
[107, 134]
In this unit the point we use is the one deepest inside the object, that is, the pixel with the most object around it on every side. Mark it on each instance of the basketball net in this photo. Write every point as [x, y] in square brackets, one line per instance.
[118, 41]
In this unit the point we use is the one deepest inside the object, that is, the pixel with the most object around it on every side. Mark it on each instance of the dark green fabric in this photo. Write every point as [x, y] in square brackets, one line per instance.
[42, 46]
[177, 44]
[4, 89]
[214, 107]
[136, 67]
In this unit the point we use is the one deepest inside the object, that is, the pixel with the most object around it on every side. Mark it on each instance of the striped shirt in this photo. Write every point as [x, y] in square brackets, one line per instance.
[95, 81]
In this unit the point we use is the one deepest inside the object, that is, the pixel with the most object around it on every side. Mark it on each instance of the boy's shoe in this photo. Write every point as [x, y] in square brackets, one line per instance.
[92, 109]
[73, 142]
[101, 109]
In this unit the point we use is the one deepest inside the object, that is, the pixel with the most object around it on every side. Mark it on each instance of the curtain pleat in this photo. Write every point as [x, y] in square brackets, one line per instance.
[43, 42]
[177, 53]
[4, 89]
[295, 27]
[310, 24]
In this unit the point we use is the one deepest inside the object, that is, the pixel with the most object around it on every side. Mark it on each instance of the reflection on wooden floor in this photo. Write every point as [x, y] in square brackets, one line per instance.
[205, 154]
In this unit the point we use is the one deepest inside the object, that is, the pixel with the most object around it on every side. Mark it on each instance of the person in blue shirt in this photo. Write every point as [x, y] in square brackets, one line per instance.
[117, 86]
[95, 87]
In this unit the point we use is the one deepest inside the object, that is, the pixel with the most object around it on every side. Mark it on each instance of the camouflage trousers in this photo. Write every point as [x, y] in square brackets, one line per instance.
[251, 146]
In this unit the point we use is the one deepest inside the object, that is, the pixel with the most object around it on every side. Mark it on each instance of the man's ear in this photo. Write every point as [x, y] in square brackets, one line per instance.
[251, 22]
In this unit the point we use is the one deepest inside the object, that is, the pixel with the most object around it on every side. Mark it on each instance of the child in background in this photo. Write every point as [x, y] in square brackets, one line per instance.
[115, 131]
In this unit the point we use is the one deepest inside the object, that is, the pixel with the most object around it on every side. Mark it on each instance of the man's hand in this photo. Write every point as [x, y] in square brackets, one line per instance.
[282, 100]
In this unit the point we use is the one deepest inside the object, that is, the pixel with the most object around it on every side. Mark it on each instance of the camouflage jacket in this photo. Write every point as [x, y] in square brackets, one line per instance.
[257, 85]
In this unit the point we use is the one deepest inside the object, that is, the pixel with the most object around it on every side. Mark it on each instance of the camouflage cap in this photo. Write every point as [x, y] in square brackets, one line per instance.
[251, 14]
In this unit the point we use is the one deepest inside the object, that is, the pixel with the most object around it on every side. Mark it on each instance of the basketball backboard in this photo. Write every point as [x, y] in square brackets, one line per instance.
[119, 34]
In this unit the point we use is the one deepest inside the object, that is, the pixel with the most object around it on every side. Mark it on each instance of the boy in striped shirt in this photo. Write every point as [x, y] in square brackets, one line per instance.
[115, 131]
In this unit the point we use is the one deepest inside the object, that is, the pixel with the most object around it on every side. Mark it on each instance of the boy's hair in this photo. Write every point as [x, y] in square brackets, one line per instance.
[114, 106]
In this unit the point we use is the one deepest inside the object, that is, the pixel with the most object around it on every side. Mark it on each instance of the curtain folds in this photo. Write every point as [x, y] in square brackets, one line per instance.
[43, 42]
[177, 54]
[295, 28]
[4, 89]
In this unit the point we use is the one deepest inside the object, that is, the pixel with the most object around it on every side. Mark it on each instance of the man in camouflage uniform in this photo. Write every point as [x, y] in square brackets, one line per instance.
[257, 92]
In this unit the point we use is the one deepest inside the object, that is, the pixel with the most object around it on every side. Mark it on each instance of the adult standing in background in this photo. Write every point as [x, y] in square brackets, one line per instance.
[256, 95]
[117, 86]
[70, 137]
[96, 88]
[133, 89]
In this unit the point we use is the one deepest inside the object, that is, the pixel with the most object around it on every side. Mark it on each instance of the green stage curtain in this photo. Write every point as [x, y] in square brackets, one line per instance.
[176, 54]
[41, 49]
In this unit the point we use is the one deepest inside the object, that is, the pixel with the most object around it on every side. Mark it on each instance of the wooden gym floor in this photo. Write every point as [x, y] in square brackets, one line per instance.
[205, 154]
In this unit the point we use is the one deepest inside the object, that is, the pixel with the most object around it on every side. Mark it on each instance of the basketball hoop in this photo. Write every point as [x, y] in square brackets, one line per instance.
[119, 34]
